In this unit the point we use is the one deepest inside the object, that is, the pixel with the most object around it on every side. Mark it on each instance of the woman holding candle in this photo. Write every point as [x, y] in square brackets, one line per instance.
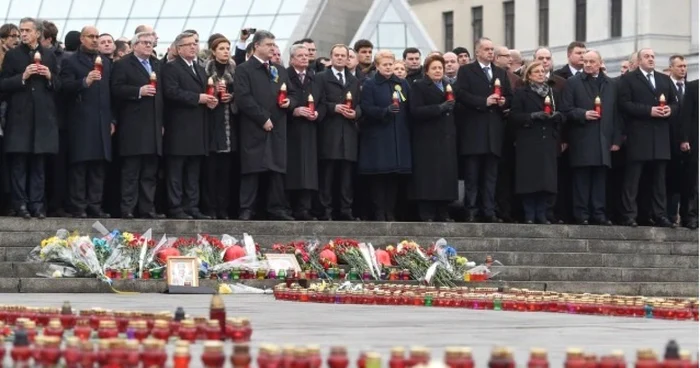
[223, 132]
[536, 142]
[385, 146]
[434, 143]
[399, 69]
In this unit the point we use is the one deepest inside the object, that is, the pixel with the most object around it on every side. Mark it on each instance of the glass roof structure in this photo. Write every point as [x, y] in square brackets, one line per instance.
[169, 17]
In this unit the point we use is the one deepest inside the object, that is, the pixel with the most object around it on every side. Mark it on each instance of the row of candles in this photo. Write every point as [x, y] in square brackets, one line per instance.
[521, 300]
[282, 96]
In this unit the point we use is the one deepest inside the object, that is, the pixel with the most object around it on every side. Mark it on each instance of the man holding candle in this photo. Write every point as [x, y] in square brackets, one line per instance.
[140, 135]
[648, 99]
[481, 127]
[595, 130]
[85, 77]
[31, 131]
[263, 127]
[339, 94]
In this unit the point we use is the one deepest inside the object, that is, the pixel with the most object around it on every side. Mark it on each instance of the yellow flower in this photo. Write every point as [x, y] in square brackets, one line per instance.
[461, 260]
[128, 237]
[390, 248]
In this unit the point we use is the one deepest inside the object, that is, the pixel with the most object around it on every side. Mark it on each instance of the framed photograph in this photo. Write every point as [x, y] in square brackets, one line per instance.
[278, 262]
[182, 271]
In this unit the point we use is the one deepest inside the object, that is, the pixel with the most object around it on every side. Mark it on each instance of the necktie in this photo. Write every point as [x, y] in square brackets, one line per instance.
[440, 86]
[301, 77]
[340, 78]
[147, 66]
[487, 71]
[267, 67]
[680, 90]
[193, 69]
[578, 72]
[650, 78]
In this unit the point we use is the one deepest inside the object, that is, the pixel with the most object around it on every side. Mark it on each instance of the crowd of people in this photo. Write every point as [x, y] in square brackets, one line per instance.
[99, 127]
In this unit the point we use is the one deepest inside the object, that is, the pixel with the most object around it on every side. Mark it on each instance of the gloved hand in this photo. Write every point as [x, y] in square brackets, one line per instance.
[540, 115]
[557, 117]
[393, 109]
[447, 106]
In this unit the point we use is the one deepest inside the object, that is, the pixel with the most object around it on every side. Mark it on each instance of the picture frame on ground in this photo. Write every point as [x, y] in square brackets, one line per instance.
[278, 261]
[182, 271]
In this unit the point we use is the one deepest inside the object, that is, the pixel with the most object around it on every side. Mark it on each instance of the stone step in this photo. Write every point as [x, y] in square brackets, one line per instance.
[88, 285]
[509, 273]
[358, 229]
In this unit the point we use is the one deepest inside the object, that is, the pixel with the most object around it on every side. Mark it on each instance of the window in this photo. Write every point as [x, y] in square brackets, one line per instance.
[581, 20]
[544, 23]
[448, 29]
[477, 23]
[509, 23]
[615, 18]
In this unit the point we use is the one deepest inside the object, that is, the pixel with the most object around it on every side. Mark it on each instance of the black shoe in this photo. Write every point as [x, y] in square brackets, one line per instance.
[153, 215]
[326, 215]
[664, 222]
[602, 222]
[581, 222]
[346, 216]
[59, 213]
[198, 215]
[222, 217]
[492, 219]
[181, 215]
[543, 221]
[304, 216]
[280, 216]
[39, 215]
[629, 222]
[390, 217]
[128, 216]
[23, 213]
[528, 222]
[692, 225]
[470, 218]
[380, 216]
[99, 214]
[246, 215]
[80, 215]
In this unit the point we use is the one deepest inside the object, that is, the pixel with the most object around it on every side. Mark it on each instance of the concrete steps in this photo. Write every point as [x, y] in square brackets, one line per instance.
[634, 261]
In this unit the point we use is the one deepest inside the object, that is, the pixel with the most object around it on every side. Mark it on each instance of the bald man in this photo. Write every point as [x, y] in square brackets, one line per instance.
[516, 61]
[451, 67]
[91, 124]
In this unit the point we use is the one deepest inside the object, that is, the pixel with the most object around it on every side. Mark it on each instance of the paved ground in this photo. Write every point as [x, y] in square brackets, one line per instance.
[380, 327]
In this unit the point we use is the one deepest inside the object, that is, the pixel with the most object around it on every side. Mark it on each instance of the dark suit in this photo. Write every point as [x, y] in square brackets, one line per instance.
[262, 152]
[140, 132]
[565, 72]
[648, 140]
[676, 193]
[689, 133]
[481, 130]
[590, 141]
[186, 134]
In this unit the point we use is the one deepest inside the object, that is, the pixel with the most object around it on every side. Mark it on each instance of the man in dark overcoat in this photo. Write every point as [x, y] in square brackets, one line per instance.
[689, 143]
[263, 127]
[481, 125]
[592, 137]
[302, 156]
[139, 109]
[338, 133]
[29, 81]
[186, 127]
[647, 128]
[90, 124]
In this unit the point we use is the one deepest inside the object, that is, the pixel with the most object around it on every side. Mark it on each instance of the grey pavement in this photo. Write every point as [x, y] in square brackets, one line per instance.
[380, 327]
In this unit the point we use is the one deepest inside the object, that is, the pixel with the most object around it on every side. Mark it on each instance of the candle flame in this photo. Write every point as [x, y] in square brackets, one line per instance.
[597, 100]
[98, 60]
[283, 87]
[348, 96]
[448, 88]
[497, 82]
[153, 76]
[310, 99]
[210, 81]
[547, 100]
[222, 82]
[37, 56]
[662, 98]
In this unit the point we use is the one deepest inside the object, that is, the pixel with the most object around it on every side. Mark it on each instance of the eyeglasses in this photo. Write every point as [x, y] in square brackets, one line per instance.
[93, 36]
[191, 44]
[146, 43]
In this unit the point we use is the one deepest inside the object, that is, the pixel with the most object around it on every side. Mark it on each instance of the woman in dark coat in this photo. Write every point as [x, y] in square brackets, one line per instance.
[536, 142]
[385, 143]
[223, 133]
[434, 143]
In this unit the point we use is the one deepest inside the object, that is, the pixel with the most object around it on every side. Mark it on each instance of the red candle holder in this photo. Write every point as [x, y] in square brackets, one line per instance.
[187, 330]
[181, 358]
[213, 355]
[662, 100]
[449, 95]
[395, 99]
[210, 87]
[597, 105]
[154, 84]
[338, 357]
[497, 87]
[397, 359]
[241, 356]
[310, 104]
[98, 64]
[574, 359]
[72, 354]
[348, 100]
[37, 58]
[54, 328]
[547, 105]
[282, 95]
[161, 330]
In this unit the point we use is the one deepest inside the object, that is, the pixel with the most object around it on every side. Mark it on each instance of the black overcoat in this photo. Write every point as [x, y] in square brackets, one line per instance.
[256, 91]
[337, 136]
[648, 138]
[90, 114]
[590, 140]
[186, 120]
[139, 118]
[481, 128]
[536, 143]
[302, 150]
[690, 119]
[434, 144]
[32, 118]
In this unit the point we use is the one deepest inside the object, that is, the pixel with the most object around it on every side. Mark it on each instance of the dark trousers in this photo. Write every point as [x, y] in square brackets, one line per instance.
[327, 173]
[183, 183]
[615, 181]
[383, 191]
[276, 200]
[559, 206]
[86, 186]
[588, 187]
[691, 186]
[535, 206]
[480, 175]
[433, 210]
[27, 181]
[138, 183]
[57, 180]
[633, 172]
[301, 201]
[679, 186]
[505, 184]
[216, 193]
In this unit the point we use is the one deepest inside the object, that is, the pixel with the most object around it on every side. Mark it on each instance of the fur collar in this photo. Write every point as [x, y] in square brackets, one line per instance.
[210, 68]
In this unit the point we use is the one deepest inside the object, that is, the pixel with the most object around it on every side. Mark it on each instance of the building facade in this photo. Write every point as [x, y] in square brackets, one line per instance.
[614, 27]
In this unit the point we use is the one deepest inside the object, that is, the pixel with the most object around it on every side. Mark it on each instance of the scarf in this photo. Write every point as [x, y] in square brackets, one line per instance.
[542, 89]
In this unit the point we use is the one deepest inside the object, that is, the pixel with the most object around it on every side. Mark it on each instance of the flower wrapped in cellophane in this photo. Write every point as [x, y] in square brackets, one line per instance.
[408, 255]
[55, 249]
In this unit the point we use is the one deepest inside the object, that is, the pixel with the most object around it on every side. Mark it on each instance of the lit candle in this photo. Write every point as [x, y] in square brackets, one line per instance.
[597, 105]
[154, 80]
[311, 104]
[98, 64]
[222, 88]
[210, 87]
[348, 100]
[448, 93]
[497, 87]
[37, 58]
[547, 105]
[662, 100]
[282, 95]
[395, 99]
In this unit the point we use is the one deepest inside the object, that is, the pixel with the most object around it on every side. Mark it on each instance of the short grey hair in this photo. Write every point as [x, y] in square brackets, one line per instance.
[534, 54]
[600, 57]
[262, 35]
[39, 26]
[294, 49]
[182, 36]
[137, 37]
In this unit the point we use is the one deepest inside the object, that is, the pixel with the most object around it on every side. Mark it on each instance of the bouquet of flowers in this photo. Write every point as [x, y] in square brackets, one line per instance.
[357, 255]
[410, 256]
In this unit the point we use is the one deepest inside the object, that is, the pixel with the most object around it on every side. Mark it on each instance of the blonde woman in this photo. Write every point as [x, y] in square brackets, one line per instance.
[400, 70]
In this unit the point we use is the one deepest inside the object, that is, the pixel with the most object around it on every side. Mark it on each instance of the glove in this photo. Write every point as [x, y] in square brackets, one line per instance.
[540, 115]
[557, 117]
[447, 106]
[393, 109]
